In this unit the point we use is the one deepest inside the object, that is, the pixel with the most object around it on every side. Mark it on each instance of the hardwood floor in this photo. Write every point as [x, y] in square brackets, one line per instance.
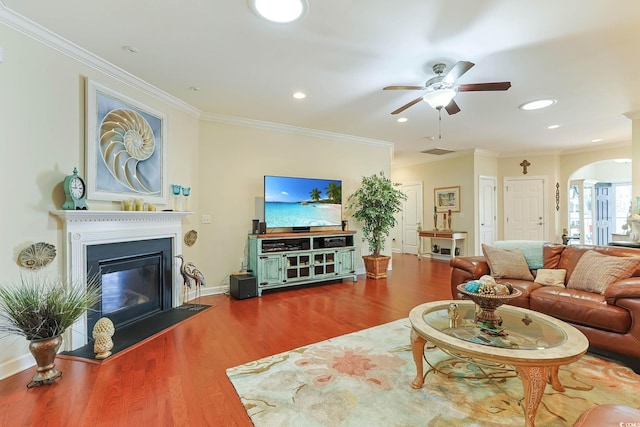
[179, 379]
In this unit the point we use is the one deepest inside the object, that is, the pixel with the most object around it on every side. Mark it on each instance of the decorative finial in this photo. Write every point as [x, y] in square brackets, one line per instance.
[102, 333]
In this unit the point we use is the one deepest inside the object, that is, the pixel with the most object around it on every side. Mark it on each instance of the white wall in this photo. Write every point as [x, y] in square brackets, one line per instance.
[234, 160]
[605, 171]
[452, 170]
[464, 169]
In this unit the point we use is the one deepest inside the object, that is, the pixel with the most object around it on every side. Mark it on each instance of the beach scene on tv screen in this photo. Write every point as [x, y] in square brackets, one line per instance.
[302, 202]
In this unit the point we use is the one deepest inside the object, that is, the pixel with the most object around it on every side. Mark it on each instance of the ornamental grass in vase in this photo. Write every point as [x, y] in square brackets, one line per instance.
[374, 205]
[41, 309]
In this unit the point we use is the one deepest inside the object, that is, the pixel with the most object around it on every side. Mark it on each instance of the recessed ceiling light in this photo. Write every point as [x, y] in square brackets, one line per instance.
[279, 10]
[596, 140]
[299, 95]
[537, 104]
[553, 126]
[402, 119]
[130, 49]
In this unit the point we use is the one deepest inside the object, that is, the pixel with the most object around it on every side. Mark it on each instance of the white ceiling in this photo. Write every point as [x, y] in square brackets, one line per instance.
[343, 52]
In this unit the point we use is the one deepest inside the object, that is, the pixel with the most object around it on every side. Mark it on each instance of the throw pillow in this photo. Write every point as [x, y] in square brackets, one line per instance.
[595, 271]
[531, 249]
[551, 277]
[507, 264]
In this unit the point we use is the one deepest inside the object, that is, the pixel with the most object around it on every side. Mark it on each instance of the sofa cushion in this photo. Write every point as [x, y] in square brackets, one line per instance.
[550, 277]
[551, 253]
[581, 308]
[524, 286]
[509, 264]
[531, 249]
[569, 258]
[595, 271]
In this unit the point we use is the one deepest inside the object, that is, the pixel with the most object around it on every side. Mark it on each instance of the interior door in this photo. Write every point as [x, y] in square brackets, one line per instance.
[524, 209]
[487, 205]
[411, 217]
[605, 212]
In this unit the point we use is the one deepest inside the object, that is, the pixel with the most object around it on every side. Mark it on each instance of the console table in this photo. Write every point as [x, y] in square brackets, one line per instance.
[449, 243]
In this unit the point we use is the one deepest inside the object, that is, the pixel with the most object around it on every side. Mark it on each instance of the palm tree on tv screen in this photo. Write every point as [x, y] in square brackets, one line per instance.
[334, 192]
[315, 194]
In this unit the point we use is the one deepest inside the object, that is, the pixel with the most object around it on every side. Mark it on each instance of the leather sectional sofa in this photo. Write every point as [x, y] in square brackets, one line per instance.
[611, 320]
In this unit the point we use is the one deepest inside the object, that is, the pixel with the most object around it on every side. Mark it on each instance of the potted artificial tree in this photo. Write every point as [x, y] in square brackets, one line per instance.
[374, 205]
[41, 309]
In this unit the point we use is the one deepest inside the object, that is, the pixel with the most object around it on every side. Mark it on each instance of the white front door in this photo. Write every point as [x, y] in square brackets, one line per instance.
[487, 205]
[524, 209]
[411, 217]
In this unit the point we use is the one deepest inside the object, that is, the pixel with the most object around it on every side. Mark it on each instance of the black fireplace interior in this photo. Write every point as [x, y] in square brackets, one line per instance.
[136, 280]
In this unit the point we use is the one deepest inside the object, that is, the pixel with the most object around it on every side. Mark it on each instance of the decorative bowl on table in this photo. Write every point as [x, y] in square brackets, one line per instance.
[488, 305]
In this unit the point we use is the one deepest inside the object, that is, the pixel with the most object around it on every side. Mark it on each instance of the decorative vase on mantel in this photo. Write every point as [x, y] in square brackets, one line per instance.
[435, 221]
[44, 352]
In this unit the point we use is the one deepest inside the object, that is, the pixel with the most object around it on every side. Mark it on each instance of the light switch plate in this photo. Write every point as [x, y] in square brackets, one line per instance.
[206, 219]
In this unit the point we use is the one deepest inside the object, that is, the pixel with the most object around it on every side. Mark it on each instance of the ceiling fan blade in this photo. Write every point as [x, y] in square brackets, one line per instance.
[404, 88]
[458, 70]
[405, 106]
[479, 87]
[452, 108]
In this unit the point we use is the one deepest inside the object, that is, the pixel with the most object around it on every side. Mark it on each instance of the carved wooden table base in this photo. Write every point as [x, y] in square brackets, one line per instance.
[534, 379]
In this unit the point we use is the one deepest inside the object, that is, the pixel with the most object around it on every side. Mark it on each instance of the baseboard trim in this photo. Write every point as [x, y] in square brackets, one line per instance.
[17, 365]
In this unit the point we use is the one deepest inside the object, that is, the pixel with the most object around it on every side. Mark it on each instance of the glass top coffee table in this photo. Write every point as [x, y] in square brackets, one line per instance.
[534, 343]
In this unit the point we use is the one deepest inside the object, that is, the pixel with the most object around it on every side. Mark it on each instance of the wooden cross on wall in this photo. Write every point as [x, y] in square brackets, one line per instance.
[525, 165]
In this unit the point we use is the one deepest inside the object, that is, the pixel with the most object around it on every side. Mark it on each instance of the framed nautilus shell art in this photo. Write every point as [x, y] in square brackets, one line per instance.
[126, 148]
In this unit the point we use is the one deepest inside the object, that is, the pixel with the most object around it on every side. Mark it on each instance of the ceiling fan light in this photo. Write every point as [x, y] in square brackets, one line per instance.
[279, 10]
[439, 98]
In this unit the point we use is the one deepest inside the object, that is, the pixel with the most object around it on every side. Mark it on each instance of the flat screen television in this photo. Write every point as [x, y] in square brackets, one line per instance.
[302, 202]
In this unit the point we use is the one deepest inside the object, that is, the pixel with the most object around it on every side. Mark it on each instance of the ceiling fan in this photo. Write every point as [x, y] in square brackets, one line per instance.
[441, 89]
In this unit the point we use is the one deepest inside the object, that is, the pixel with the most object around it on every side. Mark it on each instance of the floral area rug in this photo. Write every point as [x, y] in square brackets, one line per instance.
[363, 379]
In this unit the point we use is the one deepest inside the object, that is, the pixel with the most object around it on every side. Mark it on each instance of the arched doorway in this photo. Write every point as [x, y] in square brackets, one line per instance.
[599, 202]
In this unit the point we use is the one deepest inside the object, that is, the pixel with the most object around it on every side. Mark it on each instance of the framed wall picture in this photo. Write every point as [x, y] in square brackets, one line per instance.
[446, 199]
[126, 148]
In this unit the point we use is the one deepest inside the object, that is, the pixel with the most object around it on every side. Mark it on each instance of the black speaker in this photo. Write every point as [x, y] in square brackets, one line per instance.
[243, 286]
[255, 227]
[263, 228]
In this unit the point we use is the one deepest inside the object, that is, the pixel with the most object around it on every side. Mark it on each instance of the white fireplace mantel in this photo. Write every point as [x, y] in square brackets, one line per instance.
[86, 228]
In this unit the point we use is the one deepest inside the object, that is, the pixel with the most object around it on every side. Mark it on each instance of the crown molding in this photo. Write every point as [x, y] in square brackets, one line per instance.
[599, 147]
[633, 115]
[39, 33]
[485, 153]
[278, 127]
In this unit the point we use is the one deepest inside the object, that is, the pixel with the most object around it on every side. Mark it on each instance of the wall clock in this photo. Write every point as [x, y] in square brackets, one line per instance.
[75, 192]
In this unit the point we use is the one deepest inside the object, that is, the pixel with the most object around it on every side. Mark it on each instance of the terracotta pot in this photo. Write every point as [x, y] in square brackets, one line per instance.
[376, 266]
[44, 351]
